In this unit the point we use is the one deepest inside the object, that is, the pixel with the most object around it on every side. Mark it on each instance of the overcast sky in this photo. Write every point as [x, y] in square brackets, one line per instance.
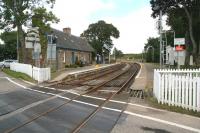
[131, 17]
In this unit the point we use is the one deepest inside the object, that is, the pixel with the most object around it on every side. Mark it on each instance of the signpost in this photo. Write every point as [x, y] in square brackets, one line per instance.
[32, 41]
[179, 44]
[179, 41]
[107, 48]
[51, 48]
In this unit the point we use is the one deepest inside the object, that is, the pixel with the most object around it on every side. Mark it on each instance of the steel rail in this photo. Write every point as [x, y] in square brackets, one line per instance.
[94, 76]
[56, 108]
[84, 122]
[62, 82]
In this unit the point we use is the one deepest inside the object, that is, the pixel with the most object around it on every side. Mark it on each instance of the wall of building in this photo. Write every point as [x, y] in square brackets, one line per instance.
[64, 57]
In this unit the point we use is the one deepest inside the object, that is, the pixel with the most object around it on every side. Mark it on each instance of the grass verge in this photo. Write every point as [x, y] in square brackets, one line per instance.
[18, 75]
[154, 103]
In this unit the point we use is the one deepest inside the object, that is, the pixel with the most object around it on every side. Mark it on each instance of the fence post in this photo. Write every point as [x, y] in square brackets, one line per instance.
[170, 88]
[155, 88]
[173, 90]
[194, 93]
[159, 88]
[190, 91]
[198, 94]
[183, 91]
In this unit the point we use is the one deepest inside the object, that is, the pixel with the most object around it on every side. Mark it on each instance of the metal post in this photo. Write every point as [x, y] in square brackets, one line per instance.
[114, 54]
[17, 46]
[142, 55]
[153, 54]
[109, 57]
[160, 31]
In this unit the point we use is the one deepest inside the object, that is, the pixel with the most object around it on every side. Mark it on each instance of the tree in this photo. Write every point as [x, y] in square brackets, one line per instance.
[152, 47]
[190, 11]
[8, 50]
[117, 53]
[100, 33]
[42, 19]
[16, 13]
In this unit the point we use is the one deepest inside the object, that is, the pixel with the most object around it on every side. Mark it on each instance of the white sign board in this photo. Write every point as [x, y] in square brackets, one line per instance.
[37, 47]
[51, 51]
[32, 39]
[179, 41]
[29, 44]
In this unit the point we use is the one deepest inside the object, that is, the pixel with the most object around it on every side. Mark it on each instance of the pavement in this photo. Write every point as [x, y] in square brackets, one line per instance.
[144, 79]
[79, 70]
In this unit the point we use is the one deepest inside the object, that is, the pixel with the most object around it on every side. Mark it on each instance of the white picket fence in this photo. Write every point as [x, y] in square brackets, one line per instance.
[178, 88]
[39, 74]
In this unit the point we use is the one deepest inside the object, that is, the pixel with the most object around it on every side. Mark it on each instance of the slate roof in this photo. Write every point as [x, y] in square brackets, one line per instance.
[71, 42]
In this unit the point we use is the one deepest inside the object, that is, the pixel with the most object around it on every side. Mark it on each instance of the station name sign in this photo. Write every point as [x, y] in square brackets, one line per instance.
[179, 41]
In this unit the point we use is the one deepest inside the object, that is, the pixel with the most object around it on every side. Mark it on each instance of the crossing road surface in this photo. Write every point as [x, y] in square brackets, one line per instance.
[20, 103]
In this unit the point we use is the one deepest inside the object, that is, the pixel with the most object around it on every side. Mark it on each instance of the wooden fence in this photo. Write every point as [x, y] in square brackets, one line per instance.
[178, 88]
[39, 74]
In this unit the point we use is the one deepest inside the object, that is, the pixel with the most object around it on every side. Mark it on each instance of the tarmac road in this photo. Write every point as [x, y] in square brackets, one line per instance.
[19, 103]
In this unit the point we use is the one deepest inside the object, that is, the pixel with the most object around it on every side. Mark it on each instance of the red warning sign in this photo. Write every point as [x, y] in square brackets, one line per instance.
[180, 47]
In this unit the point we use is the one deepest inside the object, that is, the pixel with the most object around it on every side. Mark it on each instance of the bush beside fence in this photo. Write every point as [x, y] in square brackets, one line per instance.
[178, 88]
[39, 74]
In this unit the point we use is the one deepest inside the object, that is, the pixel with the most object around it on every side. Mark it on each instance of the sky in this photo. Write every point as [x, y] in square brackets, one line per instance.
[131, 17]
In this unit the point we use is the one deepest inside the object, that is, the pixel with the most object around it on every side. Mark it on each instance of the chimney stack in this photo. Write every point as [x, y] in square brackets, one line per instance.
[67, 31]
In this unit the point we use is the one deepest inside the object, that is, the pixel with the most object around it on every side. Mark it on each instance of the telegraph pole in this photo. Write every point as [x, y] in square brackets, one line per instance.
[160, 31]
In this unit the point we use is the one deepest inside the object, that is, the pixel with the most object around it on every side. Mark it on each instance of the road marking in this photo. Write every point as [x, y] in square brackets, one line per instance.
[112, 109]
[107, 90]
[6, 116]
[28, 82]
[47, 87]
[94, 105]
[94, 97]
[15, 83]
[132, 104]
[163, 121]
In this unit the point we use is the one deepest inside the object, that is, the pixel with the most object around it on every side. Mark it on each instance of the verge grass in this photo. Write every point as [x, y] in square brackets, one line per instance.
[18, 75]
[154, 103]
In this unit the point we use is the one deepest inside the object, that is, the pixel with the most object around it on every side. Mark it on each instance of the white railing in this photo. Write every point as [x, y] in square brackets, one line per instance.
[178, 88]
[39, 74]
[23, 68]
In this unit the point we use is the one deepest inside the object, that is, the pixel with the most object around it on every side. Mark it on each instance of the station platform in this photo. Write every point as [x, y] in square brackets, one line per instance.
[79, 70]
[144, 80]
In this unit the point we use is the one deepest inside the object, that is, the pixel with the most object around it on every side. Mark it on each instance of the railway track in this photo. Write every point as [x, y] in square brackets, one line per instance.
[88, 76]
[126, 76]
[131, 73]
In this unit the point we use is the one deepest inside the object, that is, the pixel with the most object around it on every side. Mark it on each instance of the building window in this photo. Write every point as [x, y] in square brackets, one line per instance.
[49, 38]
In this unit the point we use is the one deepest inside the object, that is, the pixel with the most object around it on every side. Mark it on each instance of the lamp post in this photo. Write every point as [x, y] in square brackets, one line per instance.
[160, 30]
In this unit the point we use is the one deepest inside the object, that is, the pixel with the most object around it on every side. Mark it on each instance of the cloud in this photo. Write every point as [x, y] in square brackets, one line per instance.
[76, 13]
[135, 27]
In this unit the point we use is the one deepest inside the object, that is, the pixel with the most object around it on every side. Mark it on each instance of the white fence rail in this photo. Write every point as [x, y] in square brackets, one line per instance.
[178, 88]
[39, 74]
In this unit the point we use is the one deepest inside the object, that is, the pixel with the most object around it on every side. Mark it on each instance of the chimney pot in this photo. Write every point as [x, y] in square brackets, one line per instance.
[67, 30]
